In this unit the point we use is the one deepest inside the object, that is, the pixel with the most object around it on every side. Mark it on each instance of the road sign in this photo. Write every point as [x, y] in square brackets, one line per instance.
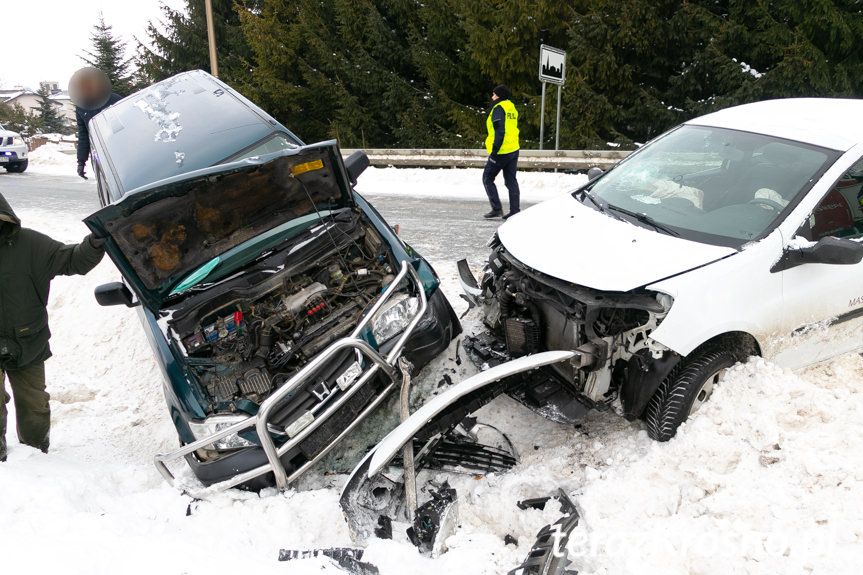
[552, 70]
[552, 65]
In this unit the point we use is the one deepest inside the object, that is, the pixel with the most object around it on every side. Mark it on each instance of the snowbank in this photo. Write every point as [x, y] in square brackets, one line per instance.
[765, 479]
[53, 158]
[462, 183]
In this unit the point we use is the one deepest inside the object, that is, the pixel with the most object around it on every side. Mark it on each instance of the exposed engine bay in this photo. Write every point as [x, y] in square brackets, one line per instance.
[252, 332]
[528, 312]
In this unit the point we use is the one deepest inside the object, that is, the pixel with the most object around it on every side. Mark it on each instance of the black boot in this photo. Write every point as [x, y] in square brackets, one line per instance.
[510, 214]
[2, 449]
[493, 214]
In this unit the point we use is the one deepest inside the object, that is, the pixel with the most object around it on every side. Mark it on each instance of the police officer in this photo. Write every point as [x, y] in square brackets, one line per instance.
[502, 146]
[28, 262]
[90, 91]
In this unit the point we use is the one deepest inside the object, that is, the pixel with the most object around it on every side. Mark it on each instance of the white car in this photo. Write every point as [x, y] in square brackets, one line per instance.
[732, 235]
[735, 234]
[13, 151]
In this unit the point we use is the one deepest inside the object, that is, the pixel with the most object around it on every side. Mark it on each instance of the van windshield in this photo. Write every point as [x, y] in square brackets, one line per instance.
[712, 185]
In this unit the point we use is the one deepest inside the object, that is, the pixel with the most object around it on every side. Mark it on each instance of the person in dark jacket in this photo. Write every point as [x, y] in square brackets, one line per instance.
[90, 91]
[29, 261]
[502, 147]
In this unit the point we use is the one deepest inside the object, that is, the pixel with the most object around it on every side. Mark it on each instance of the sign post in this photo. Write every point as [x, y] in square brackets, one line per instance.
[552, 69]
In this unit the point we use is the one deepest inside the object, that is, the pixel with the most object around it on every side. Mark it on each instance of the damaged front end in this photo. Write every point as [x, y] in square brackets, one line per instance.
[615, 363]
[294, 392]
[445, 444]
[277, 304]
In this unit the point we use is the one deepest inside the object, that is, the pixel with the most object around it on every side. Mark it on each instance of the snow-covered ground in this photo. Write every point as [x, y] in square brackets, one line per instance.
[767, 478]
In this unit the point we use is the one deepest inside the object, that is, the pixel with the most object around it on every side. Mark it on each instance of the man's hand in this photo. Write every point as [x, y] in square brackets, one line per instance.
[96, 241]
[81, 171]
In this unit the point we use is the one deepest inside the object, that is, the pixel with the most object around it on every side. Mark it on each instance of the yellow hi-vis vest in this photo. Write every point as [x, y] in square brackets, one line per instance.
[510, 132]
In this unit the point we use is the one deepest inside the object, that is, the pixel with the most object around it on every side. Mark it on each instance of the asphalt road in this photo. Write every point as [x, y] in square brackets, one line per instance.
[442, 229]
[48, 192]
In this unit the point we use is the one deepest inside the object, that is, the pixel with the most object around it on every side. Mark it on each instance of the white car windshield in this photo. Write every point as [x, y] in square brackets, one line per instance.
[712, 185]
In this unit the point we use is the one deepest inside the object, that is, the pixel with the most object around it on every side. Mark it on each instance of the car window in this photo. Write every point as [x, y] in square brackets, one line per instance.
[713, 185]
[276, 143]
[840, 213]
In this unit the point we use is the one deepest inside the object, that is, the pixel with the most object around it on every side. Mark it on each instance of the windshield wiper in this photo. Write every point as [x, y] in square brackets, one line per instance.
[585, 193]
[645, 219]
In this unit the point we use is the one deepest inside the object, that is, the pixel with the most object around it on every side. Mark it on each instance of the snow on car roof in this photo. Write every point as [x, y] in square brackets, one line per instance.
[828, 122]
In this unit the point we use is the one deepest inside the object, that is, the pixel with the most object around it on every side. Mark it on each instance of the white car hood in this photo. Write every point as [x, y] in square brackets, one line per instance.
[567, 240]
[8, 134]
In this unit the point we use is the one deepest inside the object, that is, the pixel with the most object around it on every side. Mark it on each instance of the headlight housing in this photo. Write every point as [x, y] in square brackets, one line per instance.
[665, 301]
[17, 141]
[394, 317]
[215, 424]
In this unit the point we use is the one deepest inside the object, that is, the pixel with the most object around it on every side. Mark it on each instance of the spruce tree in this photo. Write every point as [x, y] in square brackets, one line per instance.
[108, 55]
[184, 43]
[50, 119]
[16, 118]
[340, 69]
[502, 38]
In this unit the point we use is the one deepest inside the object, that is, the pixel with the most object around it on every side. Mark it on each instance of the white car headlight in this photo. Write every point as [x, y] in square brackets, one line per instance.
[394, 317]
[17, 141]
[215, 424]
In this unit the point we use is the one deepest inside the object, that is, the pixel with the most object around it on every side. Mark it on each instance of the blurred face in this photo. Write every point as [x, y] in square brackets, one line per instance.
[494, 97]
[89, 88]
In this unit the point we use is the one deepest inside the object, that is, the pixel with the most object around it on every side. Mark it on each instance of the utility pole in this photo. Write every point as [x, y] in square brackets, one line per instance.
[211, 38]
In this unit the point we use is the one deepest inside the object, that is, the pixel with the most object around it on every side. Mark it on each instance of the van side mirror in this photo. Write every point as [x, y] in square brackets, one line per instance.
[829, 250]
[114, 293]
[356, 164]
[594, 173]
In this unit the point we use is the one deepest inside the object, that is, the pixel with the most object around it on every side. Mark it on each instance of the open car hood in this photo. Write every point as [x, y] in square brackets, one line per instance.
[161, 233]
[567, 240]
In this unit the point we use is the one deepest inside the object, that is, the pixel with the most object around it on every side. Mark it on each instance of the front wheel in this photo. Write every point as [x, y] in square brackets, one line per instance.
[17, 168]
[685, 389]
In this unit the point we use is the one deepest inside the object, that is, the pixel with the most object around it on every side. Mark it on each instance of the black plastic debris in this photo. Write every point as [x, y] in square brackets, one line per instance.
[348, 559]
[548, 556]
[446, 380]
[434, 520]
[535, 503]
[384, 530]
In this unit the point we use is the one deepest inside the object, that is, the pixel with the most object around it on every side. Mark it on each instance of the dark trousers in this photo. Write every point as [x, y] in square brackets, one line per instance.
[31, 405]
[506, 163]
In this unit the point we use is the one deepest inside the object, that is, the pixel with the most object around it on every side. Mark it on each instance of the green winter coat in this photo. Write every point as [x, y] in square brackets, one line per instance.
[28, 262]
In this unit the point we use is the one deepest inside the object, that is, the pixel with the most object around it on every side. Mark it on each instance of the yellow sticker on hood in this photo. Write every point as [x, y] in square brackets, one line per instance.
[307, 167]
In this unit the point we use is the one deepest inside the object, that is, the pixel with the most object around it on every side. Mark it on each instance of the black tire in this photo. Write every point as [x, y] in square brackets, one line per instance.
[17, 168]
[684, 390]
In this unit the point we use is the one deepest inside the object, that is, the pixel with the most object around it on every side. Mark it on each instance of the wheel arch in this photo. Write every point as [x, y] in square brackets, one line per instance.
[742, 343]
[645, 374]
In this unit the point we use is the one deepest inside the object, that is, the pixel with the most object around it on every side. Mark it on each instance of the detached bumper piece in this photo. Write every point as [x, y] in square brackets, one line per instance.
[548, 556]
[349, 560]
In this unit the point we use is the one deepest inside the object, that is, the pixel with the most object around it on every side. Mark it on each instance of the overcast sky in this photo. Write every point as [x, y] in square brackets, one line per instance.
[43, 39]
